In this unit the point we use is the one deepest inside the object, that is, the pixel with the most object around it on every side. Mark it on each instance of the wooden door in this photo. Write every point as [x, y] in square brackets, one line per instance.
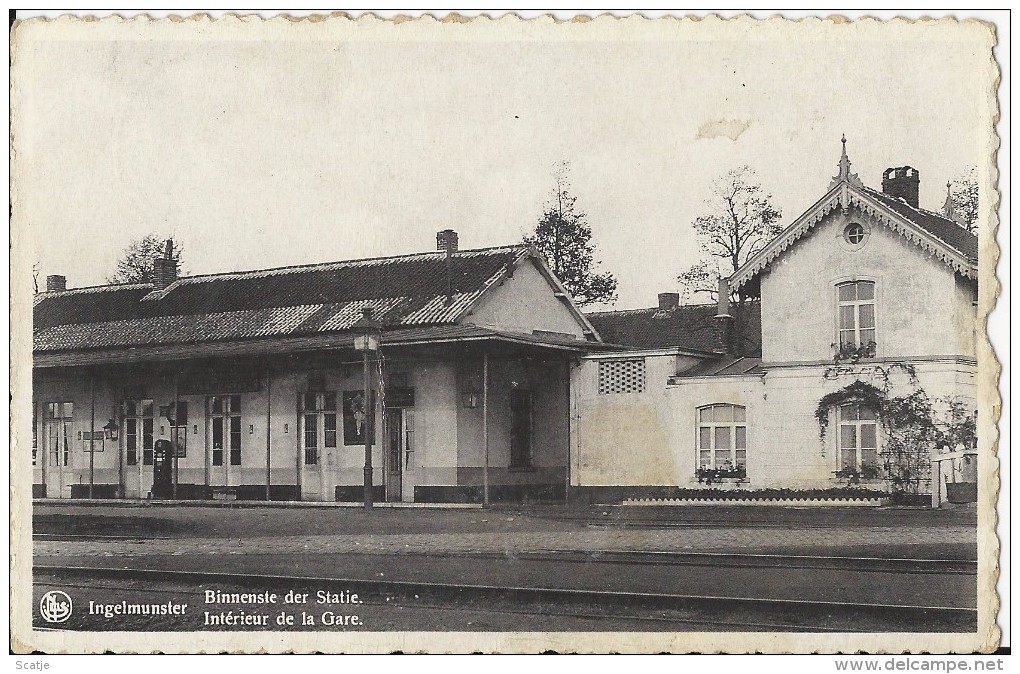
[521, 429]
[394, 454]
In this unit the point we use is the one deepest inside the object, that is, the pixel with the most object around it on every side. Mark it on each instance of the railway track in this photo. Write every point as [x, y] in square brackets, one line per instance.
[652, 557]
[754, 613]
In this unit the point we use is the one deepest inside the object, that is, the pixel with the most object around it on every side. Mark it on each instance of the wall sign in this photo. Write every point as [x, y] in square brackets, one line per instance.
[399, 397]
[87, 440]
[220, 382]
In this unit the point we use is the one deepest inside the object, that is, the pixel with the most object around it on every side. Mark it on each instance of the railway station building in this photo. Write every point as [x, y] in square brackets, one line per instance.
[248, 386]
[491, 383]
[866, 296]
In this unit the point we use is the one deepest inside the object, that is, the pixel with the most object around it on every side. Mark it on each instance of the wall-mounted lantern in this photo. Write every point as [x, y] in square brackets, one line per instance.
[111, 429]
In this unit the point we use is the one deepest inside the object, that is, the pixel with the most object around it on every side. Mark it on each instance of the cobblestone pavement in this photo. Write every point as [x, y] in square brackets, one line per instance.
[746, 539]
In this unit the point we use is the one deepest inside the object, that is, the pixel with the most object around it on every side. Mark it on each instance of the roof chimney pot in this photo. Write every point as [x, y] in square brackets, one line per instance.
[669, 301]
[902, 182]
[164, 269]
[727, 331]
[447, 240]
[56, 283]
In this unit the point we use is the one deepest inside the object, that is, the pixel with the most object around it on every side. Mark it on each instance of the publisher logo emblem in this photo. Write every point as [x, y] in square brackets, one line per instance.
[55, 606]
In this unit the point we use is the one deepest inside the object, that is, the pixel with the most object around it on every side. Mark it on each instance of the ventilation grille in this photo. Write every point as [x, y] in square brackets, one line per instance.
[621, 376]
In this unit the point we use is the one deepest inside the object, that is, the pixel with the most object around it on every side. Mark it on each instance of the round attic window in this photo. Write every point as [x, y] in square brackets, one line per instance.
[855, 234]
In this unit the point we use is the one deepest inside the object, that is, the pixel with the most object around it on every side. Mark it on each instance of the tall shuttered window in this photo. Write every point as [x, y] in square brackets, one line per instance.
[138, 425]
[857, 315]
[319, 421]
[58, 429]
[225, 420]
[858, 438]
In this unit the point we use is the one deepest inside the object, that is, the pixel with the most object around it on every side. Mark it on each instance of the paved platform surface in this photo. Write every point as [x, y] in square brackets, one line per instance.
[120, 531]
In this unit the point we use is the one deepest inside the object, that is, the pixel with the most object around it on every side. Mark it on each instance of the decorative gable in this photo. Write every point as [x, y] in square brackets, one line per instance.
[940, 237]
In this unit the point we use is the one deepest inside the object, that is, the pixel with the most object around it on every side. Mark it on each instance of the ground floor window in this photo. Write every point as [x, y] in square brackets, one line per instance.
[178, 417]
[138, 424]
[722, 439]
[318, 418]
[225, 428]
[858, 439]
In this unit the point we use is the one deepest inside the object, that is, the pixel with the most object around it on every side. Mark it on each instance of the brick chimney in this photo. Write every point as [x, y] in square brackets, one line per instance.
[902, 181]
[56, 283]
[446, 240]
[164, 272]
[724, 319]
[164, 269]
[669, 301]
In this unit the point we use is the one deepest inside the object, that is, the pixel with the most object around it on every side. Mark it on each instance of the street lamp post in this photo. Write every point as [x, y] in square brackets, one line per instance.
[367, 336]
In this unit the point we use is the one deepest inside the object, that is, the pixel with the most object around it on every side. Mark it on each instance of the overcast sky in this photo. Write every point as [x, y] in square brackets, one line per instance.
[258, 148]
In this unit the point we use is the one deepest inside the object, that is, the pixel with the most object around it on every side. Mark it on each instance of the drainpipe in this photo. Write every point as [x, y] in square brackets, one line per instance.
[121, 484]
[175, 430]
[297, 444]
[92, 435]
[269, 428]
[485, 428]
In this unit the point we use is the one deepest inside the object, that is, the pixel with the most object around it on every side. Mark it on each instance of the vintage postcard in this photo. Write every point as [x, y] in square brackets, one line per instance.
[507, 336]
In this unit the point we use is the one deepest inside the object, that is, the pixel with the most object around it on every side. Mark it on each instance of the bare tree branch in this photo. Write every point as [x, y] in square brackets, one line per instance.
[741, 220]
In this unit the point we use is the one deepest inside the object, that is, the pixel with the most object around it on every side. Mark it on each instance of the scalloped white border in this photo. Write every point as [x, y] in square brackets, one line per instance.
[773, 29]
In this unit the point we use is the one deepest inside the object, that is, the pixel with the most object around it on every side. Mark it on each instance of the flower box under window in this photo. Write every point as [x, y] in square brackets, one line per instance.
[718, 475]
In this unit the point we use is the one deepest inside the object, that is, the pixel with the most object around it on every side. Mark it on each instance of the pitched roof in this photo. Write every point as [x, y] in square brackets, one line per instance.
[461, 334]
[691, 327]
[939, 236]
[942, 228]
[404, 291]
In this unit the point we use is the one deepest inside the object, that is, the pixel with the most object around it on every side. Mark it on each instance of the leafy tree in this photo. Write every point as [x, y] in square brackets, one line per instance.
[740, 220]
[135, 263]
[563, 238]
[964, 194]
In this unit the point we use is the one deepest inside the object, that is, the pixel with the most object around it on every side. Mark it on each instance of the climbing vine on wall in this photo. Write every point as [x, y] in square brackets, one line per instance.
[912, 427]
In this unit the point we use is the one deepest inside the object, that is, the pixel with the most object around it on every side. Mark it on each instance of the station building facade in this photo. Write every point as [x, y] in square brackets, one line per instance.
[491, 384]
[864, 291]
[247, 385]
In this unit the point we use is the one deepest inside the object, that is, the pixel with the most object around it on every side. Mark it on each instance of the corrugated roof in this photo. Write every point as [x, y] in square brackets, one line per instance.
[405, 290]
[692, 327]
[267, 346]
[942, 228]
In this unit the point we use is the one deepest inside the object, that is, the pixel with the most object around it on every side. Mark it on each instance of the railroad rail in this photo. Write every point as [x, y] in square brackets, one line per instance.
[661, 557]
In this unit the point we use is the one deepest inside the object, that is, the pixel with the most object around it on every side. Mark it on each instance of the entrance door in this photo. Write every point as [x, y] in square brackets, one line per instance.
[137, 441]
[318, 433]
[394, 454]
[224, 444]
[57, 440]
[520, 428]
